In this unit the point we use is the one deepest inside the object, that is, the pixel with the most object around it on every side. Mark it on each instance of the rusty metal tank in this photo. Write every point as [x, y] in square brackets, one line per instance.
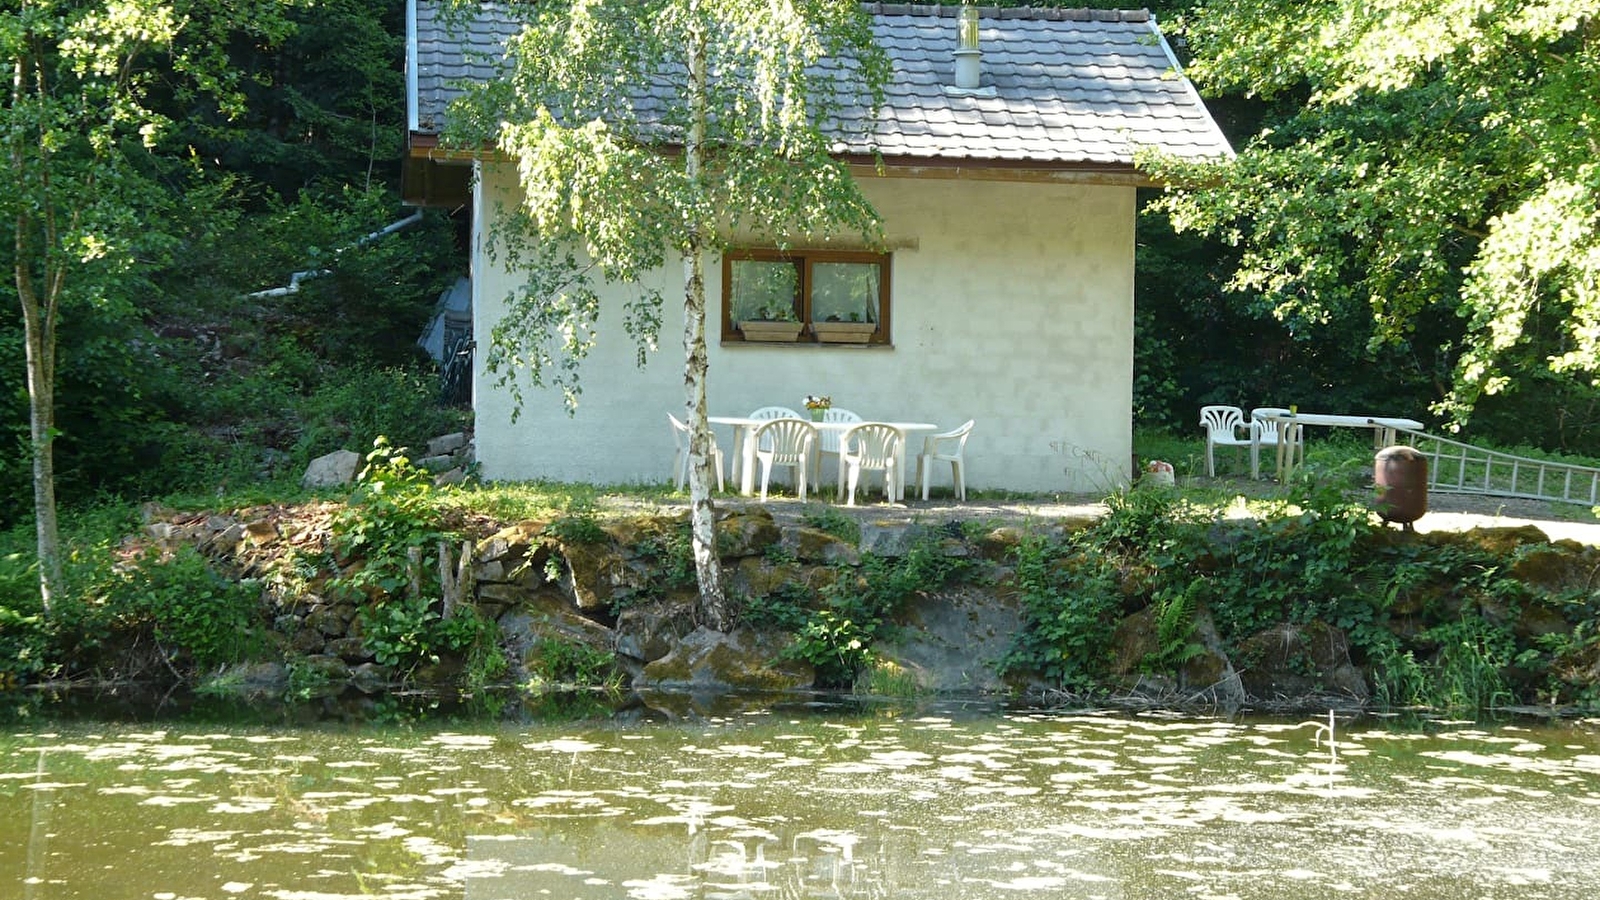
[1401, 477]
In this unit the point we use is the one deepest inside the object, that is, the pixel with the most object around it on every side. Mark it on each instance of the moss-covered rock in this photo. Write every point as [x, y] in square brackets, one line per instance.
[746, 531]
[742, 660]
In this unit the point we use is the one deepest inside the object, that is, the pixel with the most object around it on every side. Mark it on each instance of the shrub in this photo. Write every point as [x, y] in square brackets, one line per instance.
[195, 613]
[398, 404]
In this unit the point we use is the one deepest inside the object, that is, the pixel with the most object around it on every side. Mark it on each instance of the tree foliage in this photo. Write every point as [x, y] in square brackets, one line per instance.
[78, 114]
[1437, 174]
[593, 100]
[644, 130]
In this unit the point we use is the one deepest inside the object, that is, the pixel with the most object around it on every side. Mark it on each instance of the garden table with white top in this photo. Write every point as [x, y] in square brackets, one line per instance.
[1291, 425]
[744, 446]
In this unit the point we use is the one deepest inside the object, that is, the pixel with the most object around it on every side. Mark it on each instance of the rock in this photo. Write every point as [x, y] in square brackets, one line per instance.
[514, 545]
[1291, 660]
[812, 545]
[330, 669]
[332, 470]
[446, 444]
[548, 616]
[224, 540]
[741, 660]
[261, 532]
[436, 463]
[444, 672]
[953, 640]
[369, 678]
[599, 575]
[450, 476]
[327, 621]
[1537, 620]
[349, 649]
[1210, 672]
[746, 531]
[648, 633]
[308, 641]
[257, 678]
[892, 539]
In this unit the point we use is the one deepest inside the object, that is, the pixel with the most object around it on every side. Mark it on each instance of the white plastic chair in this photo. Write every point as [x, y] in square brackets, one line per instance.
[1267, 434]
[946, 446]
[1223, 425]
[765, 413]
[828, 439]
[680, 461]
[785, 442]
[870, 446]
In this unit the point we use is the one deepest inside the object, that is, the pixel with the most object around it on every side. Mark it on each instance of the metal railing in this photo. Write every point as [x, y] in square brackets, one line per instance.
[1455, 467]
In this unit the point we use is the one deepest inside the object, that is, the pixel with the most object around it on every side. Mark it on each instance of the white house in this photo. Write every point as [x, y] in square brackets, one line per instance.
[1005, 292]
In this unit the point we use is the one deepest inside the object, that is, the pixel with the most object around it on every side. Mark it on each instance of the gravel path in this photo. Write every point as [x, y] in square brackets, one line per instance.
[1446, 512]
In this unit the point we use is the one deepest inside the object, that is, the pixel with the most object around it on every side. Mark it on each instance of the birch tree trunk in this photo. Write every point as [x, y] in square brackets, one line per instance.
[702, 515]
[42, 432]
[38, 321]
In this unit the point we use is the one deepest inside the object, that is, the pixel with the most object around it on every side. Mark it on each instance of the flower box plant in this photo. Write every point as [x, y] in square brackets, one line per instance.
[772, 323]
[835, 330]
[817, 405]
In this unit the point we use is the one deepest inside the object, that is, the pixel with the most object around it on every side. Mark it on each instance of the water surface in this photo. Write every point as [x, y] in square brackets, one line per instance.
[790, 803]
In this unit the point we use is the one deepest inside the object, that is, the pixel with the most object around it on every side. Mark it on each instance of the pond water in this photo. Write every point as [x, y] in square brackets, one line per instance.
[800, 802]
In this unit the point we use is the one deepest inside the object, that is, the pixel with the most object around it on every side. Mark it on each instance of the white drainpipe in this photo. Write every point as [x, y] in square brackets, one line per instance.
[293, 287]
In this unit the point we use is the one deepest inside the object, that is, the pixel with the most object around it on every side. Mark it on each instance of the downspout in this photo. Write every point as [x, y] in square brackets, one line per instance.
[295, 280]
[411, 67]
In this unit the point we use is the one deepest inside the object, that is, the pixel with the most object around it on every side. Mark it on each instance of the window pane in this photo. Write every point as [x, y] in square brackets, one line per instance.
[763, 289]
[844, 292]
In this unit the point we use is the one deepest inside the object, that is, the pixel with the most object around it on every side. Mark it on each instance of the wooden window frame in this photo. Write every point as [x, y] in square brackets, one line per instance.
[805, 259]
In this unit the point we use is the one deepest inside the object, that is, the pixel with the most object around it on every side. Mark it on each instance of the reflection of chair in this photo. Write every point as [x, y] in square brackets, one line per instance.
[1222, 425]
[680, 461]
[869, 446]
[1267, 434]
[785, 442]
[946, 446]
[828, 439]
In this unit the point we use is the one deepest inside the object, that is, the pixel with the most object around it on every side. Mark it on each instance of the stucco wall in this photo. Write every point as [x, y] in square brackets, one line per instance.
[1012, 305]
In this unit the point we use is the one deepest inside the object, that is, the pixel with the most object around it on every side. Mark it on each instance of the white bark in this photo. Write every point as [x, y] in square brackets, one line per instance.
[702, 515]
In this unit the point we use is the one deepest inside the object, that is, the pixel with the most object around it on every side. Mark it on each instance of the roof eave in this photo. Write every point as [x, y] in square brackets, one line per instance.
[423, 146]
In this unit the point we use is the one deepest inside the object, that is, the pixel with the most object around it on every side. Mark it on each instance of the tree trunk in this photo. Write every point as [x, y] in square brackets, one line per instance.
[39, 339]
[703, 513]
[38, 303]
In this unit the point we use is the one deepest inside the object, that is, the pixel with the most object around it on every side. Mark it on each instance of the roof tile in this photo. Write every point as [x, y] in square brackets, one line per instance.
[1070, 86]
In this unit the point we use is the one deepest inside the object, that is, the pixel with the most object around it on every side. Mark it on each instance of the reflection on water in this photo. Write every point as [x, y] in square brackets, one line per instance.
[793, 804]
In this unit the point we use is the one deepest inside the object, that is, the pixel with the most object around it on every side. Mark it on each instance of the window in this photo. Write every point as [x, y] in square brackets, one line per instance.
[826, 287]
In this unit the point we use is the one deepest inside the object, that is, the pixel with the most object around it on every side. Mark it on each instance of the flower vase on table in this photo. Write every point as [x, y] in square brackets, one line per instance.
[817, 406]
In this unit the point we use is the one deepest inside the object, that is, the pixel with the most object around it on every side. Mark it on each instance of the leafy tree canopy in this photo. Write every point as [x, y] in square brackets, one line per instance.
[594, 100]
[1436, 155]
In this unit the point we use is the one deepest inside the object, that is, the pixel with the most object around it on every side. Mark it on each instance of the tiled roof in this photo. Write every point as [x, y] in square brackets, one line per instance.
[1069, 86]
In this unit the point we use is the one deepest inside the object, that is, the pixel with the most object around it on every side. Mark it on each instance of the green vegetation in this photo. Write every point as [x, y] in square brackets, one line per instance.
[1439, 623]
[835, 628]
[1346, 258]
[556, 666]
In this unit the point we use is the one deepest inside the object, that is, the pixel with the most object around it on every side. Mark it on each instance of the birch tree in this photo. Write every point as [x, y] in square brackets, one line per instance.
[78, 109]
[644, 129]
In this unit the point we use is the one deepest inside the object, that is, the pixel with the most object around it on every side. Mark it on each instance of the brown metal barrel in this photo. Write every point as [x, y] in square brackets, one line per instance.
[1401, 476]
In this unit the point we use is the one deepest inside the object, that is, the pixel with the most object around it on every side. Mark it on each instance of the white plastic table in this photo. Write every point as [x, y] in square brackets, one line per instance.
[744, 447]
[1290, 425]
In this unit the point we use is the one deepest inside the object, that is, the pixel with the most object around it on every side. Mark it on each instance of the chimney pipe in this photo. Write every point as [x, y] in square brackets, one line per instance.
[967, 53]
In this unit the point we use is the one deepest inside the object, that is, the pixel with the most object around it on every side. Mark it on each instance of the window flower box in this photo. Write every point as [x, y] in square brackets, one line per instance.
[843, 332]
[757, 330]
